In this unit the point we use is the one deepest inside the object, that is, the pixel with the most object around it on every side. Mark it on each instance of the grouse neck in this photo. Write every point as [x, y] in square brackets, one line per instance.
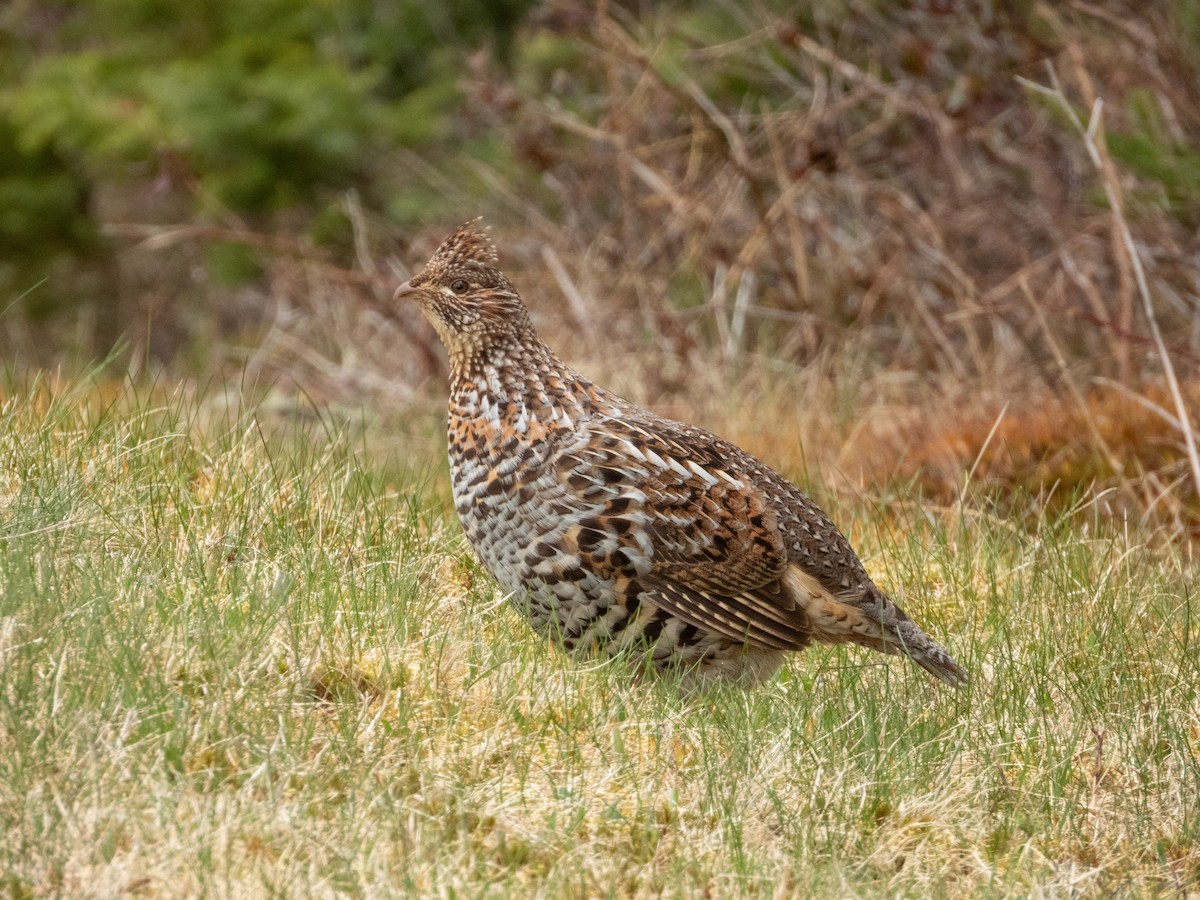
[527, 384]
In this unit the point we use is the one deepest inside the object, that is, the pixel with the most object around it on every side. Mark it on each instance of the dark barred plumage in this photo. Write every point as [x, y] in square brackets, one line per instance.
[615, 529]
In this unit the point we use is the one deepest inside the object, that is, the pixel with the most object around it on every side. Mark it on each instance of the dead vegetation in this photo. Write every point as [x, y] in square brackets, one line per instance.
[916, 218]
[952, 204]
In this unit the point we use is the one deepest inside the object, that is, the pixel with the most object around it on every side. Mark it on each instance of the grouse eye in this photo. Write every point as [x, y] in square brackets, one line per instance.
[458, 286]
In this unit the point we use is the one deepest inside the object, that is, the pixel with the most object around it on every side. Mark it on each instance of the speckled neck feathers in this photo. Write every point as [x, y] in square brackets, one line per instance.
[525, 389]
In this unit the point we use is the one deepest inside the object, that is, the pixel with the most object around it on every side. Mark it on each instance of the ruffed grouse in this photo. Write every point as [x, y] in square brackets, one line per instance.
[615, 529]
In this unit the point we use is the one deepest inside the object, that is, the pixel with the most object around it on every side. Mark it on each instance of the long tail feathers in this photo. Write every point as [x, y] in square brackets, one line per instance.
[929, 654]
[875, 622]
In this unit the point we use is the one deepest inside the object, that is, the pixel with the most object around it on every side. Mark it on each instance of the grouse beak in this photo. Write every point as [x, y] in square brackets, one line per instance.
[405, 290]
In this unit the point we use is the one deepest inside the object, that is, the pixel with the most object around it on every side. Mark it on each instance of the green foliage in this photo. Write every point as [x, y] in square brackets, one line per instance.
[263, 106]
[231, 263]
[1143, 143]
[1154, 155]
[265, 135]
[267, 102]
[43, 215]
[82, 107]
[1185, 17]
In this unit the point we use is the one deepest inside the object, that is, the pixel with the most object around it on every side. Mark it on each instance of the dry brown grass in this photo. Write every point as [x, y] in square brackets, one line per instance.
[884, 204]
[909, 219]
[1124, 449]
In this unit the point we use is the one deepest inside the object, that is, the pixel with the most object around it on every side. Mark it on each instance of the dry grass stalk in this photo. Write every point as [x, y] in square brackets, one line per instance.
[1093, 136]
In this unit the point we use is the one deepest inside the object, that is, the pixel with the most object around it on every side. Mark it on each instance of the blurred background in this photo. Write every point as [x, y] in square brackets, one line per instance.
[937, 244]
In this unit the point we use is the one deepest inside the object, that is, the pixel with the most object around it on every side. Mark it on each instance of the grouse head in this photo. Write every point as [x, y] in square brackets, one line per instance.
[475, 309]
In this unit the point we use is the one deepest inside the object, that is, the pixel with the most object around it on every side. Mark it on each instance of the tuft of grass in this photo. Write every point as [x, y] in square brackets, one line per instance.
[247, 656]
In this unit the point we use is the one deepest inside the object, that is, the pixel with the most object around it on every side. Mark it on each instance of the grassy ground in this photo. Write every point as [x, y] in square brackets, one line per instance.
[247, 656]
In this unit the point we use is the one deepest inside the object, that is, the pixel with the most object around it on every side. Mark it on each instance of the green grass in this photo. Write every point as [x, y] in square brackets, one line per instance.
[244, 657]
